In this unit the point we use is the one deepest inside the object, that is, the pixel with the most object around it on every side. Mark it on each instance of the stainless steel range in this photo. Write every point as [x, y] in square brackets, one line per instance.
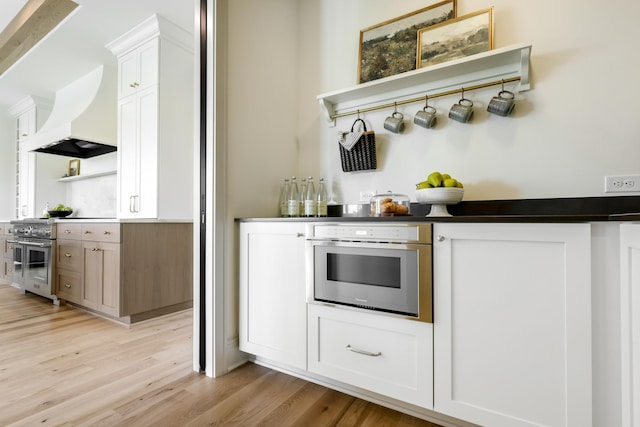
[34, 255]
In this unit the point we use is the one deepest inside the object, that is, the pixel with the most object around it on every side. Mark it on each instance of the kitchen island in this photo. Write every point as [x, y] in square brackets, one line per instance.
[128, 270]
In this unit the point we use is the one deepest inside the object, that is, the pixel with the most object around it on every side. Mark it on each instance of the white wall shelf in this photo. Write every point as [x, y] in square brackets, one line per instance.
[504, 63]
[87, 176]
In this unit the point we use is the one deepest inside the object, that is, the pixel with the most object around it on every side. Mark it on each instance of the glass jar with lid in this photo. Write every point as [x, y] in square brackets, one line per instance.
[389, 204]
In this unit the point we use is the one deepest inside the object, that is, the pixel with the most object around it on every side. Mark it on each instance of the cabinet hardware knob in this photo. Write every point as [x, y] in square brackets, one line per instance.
[440, 238]
[67, 231]
[68, 286]
[68, 255]
[360, 351]
[107, 232]
[134, 85]
[299, 234]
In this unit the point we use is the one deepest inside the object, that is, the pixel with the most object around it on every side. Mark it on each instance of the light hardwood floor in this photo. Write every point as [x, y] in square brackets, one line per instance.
[60, 366]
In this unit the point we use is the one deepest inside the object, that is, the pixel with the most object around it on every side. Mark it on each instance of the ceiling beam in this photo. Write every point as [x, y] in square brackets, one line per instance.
[34, 21]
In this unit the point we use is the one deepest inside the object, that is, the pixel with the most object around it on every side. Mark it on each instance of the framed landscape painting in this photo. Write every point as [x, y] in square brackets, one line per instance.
[390, 47]
[457, 38]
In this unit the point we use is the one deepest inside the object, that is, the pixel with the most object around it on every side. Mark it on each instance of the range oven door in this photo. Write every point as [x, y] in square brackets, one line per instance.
[36, 267]
[388, 277]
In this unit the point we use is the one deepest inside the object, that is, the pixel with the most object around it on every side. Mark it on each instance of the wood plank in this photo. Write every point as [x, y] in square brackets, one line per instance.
[65, 366]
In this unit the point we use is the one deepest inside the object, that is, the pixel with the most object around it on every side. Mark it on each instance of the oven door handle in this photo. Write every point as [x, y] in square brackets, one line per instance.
[38, 245]
[12, 241]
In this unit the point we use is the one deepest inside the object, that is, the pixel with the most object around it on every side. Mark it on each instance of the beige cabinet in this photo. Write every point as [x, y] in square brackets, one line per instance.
[6, 253]
[101, 284]
[69, 269]
[129, 271]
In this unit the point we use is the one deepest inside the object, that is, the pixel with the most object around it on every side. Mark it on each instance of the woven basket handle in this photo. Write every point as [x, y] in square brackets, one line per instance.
[364, 125]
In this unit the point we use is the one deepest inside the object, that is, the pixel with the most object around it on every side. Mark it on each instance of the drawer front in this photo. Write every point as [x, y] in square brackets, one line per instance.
[69, 285]
[69, 231]
[69, 254]
[383, 354]
[101, 232]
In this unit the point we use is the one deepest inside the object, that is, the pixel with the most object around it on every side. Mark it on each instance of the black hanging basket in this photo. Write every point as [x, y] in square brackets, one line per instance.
[362, 156]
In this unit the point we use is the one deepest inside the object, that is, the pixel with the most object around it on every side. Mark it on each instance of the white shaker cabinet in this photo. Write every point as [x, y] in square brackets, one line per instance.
[630, 323]
[512, 328]
[273, 318]
[36, 173]
[138, 69]
[155, 121]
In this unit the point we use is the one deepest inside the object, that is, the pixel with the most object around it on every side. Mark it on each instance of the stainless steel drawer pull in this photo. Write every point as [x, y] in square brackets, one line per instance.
[365, 352]
[68, 255]
[67, 231]
[66, 285]
[107, 232]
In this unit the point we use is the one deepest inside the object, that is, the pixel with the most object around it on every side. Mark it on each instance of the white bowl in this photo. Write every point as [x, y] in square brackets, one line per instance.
[439, 198]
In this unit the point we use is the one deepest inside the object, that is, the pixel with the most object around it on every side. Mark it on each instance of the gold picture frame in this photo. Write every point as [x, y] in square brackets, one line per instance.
[460, 37]
[389, 48]
[74, 167]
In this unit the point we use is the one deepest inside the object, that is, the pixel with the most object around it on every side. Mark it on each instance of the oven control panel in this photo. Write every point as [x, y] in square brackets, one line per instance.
[420, 233]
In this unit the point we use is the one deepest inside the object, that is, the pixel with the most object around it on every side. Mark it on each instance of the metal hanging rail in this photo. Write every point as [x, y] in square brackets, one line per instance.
[422, 98]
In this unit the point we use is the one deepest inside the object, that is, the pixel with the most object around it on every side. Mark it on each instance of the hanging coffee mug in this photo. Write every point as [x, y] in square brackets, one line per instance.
[462, 111]
[503, 104]
[426, 117]
[395, 122]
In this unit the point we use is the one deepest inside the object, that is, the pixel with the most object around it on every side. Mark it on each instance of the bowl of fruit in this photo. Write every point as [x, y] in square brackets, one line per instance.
[439, 190]
[60, 211]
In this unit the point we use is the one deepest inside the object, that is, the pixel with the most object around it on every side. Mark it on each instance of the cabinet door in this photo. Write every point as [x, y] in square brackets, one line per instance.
[512, 336]
[630, 322]
[272, 292]
[128, 157]
[137, 155]
[138, 69]
[101, 285]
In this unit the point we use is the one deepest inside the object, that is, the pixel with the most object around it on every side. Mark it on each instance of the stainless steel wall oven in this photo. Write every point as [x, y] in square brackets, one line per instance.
[372, 266]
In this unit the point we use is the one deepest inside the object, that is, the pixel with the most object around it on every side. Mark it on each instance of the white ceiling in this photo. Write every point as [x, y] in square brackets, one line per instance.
[76, 46]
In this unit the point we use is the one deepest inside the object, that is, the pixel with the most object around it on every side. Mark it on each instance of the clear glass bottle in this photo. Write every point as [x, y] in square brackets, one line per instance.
[302, 194]
[310, 199]
[293, 199]
[284, 194]
[321, 199]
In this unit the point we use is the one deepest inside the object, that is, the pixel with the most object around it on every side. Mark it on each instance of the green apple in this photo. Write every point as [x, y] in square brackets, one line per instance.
[423, 184]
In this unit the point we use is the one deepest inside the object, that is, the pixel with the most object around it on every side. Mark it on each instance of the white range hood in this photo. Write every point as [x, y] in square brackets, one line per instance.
[83, 121]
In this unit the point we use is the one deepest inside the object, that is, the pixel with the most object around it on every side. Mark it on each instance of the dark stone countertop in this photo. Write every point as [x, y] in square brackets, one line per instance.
[579, 209]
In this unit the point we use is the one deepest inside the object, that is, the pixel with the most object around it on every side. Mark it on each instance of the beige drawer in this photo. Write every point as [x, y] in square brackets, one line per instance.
[69, 231]
[101, 232]
[69, 254]
[69, 285]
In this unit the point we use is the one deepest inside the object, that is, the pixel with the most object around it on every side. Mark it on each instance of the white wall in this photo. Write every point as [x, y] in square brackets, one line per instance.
[577, 124]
